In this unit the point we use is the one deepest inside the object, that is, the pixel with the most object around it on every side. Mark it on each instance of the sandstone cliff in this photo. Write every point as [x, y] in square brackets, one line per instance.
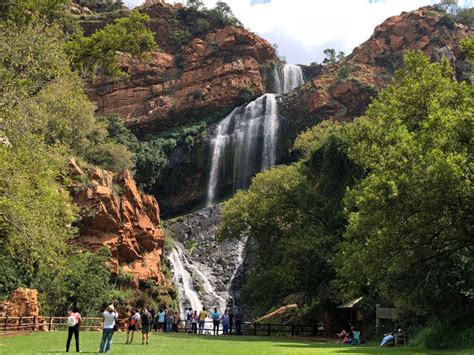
[115, 214]
[188, 79]
[344, 91]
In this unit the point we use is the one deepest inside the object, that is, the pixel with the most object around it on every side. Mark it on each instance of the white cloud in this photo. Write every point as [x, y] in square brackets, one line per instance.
[303, 28]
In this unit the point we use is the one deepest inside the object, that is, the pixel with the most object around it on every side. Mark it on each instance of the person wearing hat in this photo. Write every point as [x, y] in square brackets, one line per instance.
[110, 316]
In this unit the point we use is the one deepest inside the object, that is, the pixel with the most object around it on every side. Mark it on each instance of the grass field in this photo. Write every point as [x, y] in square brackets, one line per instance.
[55, 343]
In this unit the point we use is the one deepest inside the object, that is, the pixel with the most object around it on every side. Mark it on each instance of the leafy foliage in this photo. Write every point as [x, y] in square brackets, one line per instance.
[45, 117]
[294, 215]
[99, 51]
[332, 57]
[390, 195]
[410, 219]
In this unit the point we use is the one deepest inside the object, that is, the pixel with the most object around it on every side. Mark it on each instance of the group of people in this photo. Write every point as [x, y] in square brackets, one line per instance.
[164, 321]
[195, 321]
[350, 337]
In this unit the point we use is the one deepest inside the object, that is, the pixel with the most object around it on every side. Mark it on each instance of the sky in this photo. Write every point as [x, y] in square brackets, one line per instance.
[302, 29]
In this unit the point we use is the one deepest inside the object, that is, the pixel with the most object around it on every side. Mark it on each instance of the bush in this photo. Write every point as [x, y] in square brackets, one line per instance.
[439, 335]
[128, 34]
[111, 156]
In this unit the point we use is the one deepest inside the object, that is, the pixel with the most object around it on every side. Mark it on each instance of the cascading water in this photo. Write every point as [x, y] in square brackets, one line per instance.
[236, 143]
[243, 144]
[245, 141]
[183, 279]
[287, 78]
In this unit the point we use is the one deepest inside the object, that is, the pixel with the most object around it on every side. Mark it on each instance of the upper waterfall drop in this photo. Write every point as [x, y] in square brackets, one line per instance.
[245, 141]
[287, 78]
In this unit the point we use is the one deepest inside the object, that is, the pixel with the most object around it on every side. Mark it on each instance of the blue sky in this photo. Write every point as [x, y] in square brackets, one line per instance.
[302, 29]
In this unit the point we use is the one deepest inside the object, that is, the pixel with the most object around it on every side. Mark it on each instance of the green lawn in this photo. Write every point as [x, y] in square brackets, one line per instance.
[54, 343]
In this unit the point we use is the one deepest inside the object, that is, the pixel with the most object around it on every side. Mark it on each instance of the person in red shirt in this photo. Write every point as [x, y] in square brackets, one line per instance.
[73, 321]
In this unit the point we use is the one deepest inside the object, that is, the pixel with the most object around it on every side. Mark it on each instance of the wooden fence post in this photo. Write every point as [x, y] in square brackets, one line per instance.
[269, 329]
[255, 329]
[19, 323]
[50, 323]
[34, 323]
[6, 323]
[292, 330]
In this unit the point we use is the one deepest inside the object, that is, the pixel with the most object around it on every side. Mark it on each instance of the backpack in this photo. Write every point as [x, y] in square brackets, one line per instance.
[131, 322]
[146, 319]
[71, 321]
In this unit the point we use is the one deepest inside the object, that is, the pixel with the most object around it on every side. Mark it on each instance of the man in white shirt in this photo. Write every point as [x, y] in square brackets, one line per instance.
[110, 316]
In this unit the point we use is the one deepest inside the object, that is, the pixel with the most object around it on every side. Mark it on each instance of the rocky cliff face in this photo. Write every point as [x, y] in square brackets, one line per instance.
[184, 82]
[343, 91]
[115, 214]
[22, 303]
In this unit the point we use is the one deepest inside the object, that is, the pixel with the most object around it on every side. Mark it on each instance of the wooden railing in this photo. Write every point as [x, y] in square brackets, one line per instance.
[11, 325]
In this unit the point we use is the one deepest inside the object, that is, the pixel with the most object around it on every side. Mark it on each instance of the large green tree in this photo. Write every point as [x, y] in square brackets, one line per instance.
[410, 233]
[293, 216]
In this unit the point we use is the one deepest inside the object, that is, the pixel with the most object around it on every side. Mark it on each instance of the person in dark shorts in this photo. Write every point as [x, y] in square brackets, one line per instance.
[216, 320]
[73, 321]
[160, 320]
[145, 319]
[133, 321]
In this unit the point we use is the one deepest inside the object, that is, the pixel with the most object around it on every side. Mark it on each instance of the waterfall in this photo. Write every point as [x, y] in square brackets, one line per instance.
[292, 77]
[183, 279]
[245, 141]
[184, 272]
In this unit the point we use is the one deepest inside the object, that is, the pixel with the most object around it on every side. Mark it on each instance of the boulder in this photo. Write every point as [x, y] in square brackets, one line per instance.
[22, 303]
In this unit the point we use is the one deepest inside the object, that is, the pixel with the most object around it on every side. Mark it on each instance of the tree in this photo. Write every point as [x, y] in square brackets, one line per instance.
[332, 57]
[294, 217]
[410, 220]
[195, 4]
[448, 6]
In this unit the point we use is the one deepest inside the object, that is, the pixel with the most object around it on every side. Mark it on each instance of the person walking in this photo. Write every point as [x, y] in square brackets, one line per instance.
[133, 321]
[194, 322]
[216, 316]
[110, 316]
[73, 321]
[202, 320]
[225, 323]
[238, 322]
[145, 320]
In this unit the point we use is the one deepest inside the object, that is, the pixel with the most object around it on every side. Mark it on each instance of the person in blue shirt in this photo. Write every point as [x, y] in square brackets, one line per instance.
[216, 316]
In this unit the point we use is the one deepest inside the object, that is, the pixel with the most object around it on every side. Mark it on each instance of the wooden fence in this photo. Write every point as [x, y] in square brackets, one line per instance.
[12, 325]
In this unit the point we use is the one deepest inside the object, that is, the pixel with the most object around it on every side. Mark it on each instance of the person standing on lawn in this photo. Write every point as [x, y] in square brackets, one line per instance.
[202, 320]
[132, 326]
[110, 317]
[145, 319]
[239, 317]
[194, 322]
[216, 316]
[73, 321]
[225, 323]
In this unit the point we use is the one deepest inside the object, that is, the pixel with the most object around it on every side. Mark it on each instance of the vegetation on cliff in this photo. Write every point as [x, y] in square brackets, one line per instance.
[377, 208]
[45, 118]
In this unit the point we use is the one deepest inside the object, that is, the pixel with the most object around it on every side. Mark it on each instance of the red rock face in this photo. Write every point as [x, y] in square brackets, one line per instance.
[22, 303]
[184, 83]
[115, 214]
[344, 91]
